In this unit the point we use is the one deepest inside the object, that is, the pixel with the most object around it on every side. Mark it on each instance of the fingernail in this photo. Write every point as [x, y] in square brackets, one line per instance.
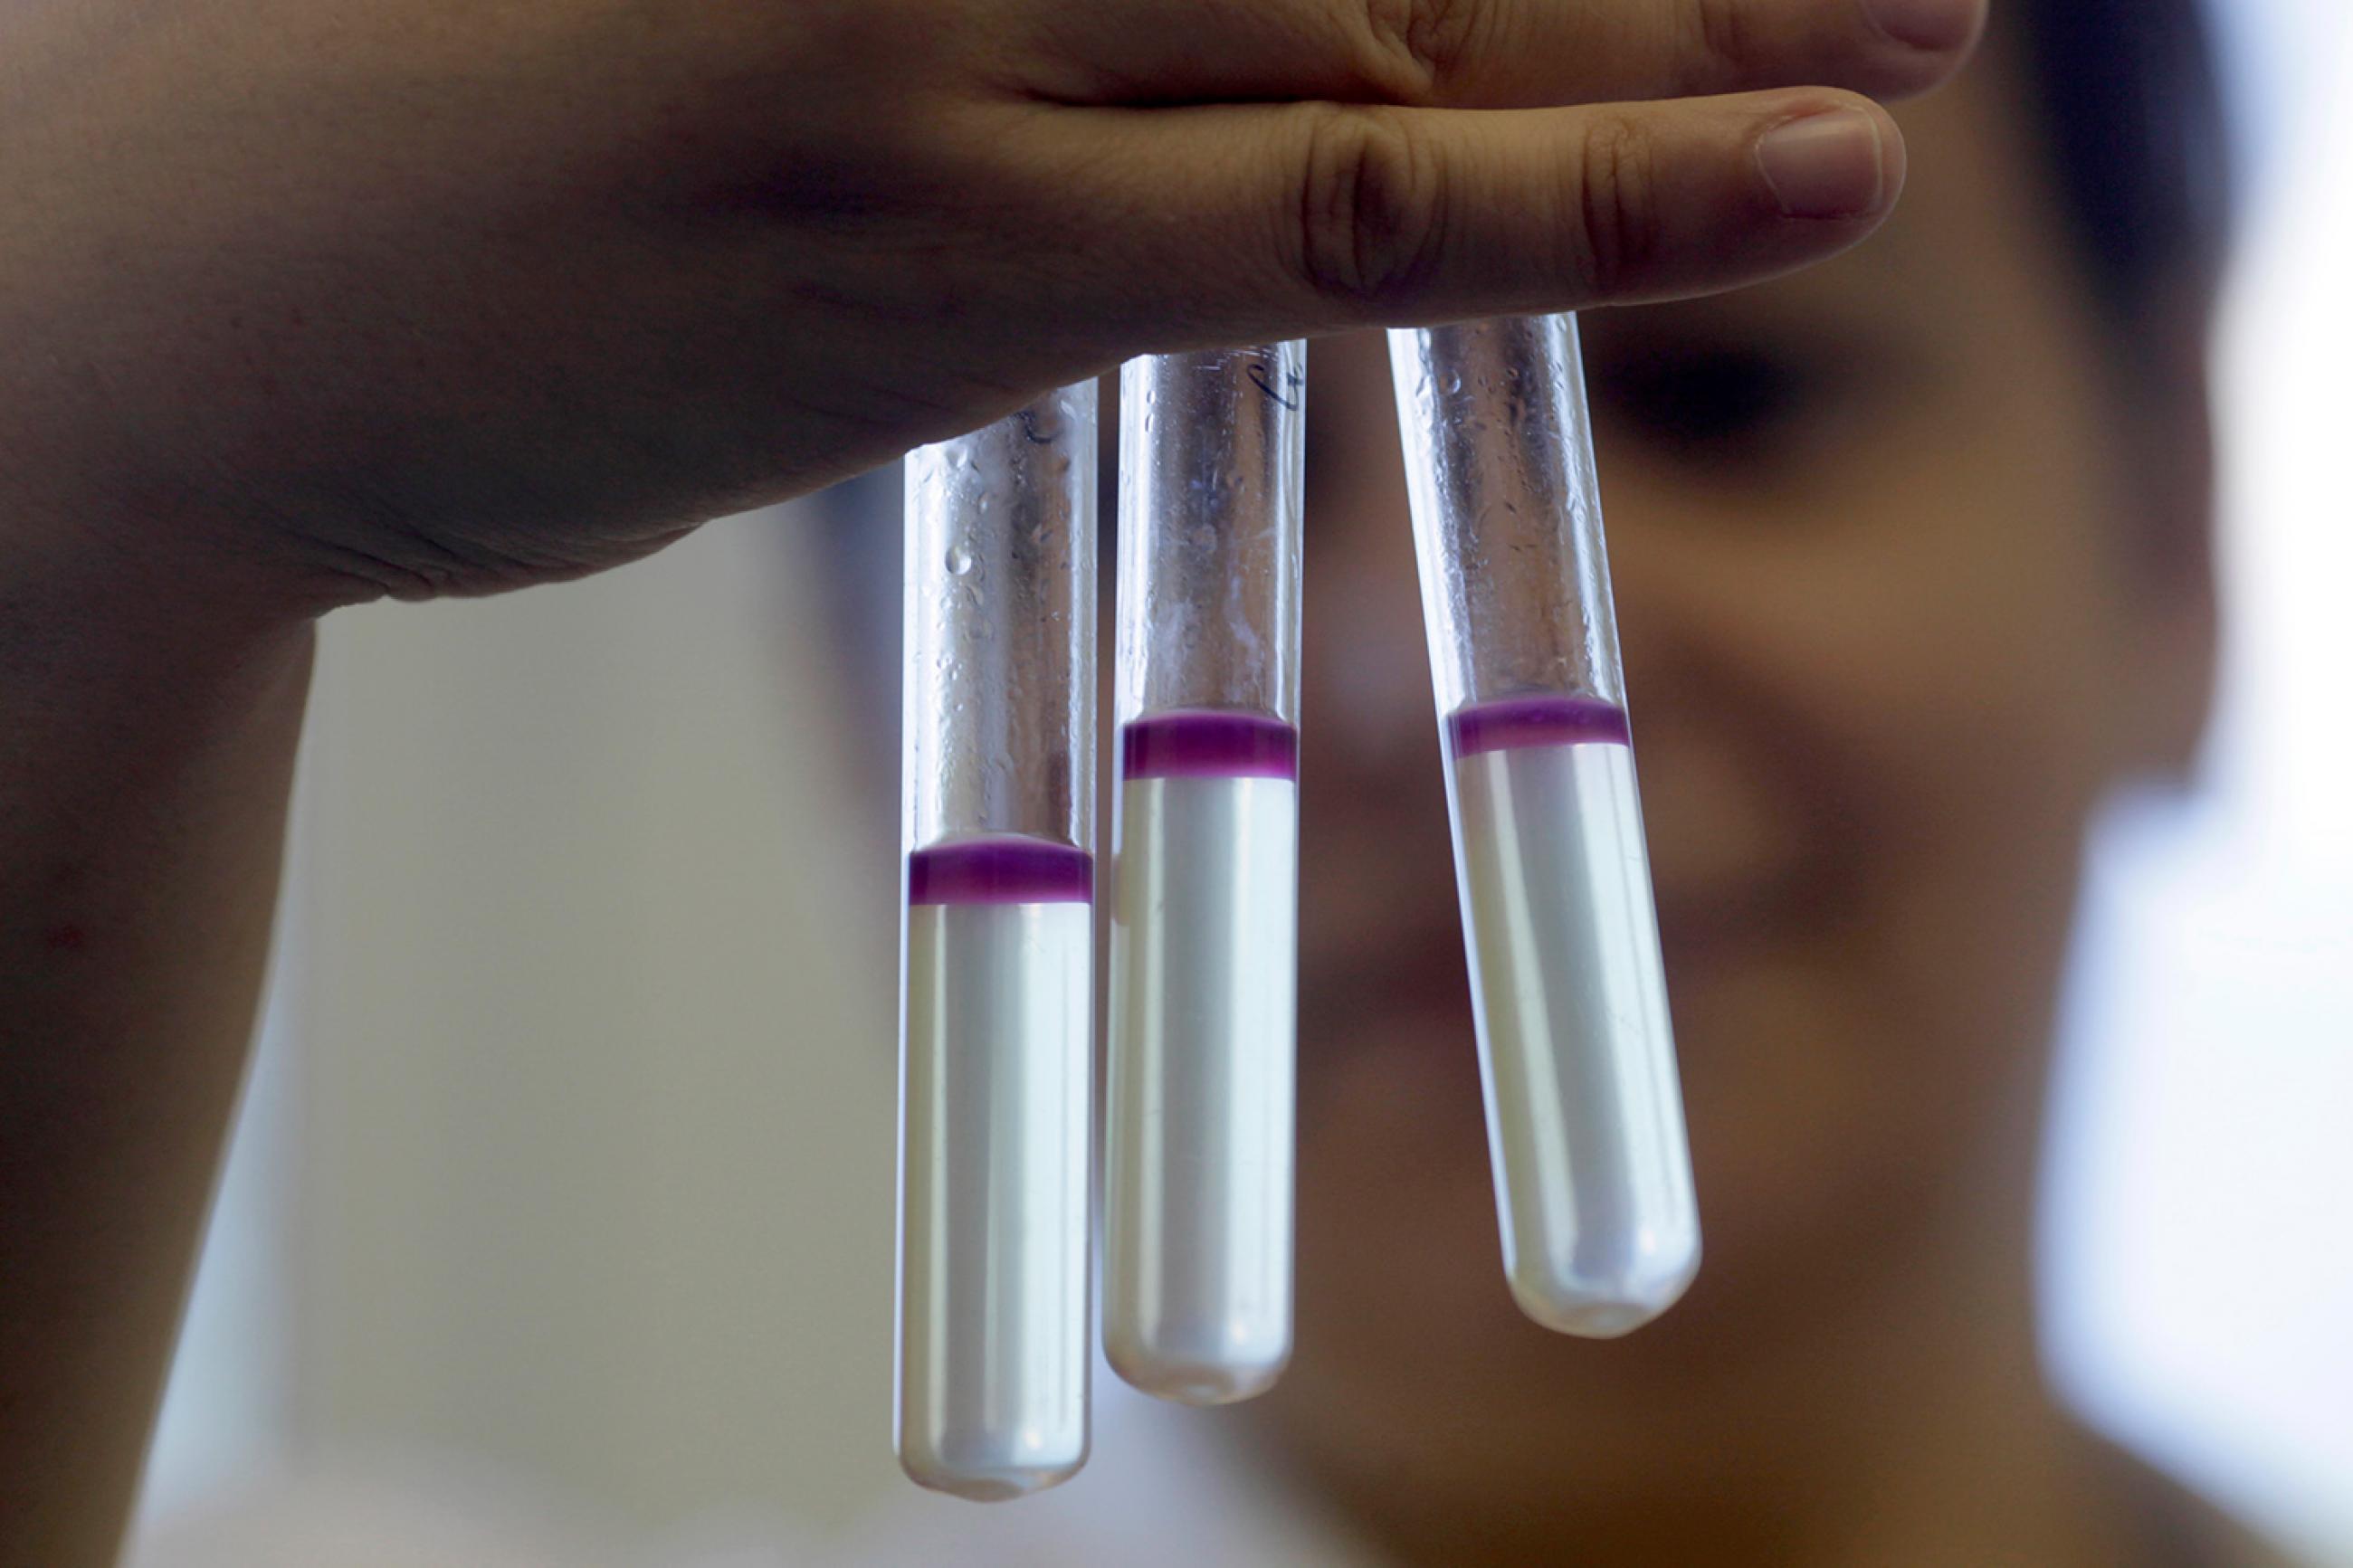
[1925, 24]
[1825, 166]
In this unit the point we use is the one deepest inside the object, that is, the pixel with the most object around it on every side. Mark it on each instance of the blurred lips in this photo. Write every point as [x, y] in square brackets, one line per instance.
[1703, 926]
[1414, 965]
[1747, 901]
[1412, 971]
[1403, 972]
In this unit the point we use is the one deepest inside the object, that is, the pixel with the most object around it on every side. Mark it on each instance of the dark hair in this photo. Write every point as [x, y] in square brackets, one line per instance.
[2130, 104]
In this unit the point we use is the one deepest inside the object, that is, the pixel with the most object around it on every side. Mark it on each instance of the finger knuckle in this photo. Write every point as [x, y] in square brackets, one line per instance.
[1720, 42]
[1617, 206]
[1369, 207]
[1415, 46]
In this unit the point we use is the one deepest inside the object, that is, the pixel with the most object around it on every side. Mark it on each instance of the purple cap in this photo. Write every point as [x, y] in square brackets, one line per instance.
[1005, 870]
[1191, 744]
[1516, 722]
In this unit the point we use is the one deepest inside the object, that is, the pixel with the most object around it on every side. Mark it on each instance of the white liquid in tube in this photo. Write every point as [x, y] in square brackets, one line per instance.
[1198, 1180]
[1585, 1122]
[1198, 1136]
[1593, 1183]
[995, 1167]
[993, 1213]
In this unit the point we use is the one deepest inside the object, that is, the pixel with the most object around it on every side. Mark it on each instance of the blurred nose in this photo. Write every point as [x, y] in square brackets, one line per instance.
[1374, 836]
[1719, 730]
[1366, 663]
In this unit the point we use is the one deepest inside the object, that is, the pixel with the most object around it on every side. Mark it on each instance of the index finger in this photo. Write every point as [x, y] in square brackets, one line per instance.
[1485, 54]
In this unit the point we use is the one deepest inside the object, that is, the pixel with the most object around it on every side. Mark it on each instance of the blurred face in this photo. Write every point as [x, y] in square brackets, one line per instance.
[1892, 623]
[1905, 582]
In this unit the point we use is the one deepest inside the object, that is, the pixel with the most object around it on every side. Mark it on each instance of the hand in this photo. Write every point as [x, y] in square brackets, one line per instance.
[317, 302]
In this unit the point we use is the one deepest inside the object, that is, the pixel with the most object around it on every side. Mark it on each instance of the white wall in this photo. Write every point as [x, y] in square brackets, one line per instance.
[590, 1154]
[2199, 1245]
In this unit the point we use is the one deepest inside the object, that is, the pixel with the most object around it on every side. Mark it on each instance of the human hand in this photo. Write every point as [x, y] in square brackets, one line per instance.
[320, 303]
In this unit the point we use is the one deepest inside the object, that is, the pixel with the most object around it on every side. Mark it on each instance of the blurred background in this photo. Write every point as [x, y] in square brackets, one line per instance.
[564, 1183]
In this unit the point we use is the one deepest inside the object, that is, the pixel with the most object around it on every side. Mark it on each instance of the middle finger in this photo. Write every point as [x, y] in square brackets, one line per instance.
[1479, 54]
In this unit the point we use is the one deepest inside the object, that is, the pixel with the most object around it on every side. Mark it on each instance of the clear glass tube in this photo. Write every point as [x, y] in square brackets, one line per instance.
[1585, 1118]
[997, 953]
[1198, 1135]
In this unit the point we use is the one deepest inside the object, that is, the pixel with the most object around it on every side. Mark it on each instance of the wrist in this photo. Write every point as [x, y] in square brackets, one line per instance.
[144, 649]
[84, 565]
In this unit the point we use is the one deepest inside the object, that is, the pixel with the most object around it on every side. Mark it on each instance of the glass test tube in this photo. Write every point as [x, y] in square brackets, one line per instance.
[997, 953]
[1198, 1145]
[1576, 1057]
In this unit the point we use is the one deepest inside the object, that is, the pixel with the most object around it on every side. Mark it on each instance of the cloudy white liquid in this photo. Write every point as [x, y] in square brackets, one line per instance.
[1584, 1116]
[1198, 1142]
[995, 1167]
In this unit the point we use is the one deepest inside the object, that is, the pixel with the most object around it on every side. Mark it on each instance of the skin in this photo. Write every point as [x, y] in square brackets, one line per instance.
[307, 305]
[1891, 636]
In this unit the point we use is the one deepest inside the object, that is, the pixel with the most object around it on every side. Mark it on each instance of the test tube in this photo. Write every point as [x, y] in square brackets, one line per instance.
[997, 953]
[1585, 1120]
[1198, 1141]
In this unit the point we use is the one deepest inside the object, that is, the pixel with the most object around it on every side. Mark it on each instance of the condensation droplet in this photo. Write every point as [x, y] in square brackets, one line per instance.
[960, 560]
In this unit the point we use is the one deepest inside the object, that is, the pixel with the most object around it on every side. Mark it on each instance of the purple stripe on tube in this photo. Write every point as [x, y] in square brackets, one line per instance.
[1202, 743]
[1008, 869]
[1519, 721]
